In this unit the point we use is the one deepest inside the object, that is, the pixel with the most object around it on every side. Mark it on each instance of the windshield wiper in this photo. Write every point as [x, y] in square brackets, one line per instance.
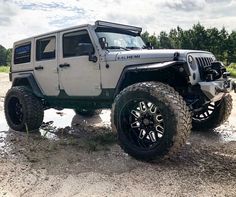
[133, 47]
[117, 47]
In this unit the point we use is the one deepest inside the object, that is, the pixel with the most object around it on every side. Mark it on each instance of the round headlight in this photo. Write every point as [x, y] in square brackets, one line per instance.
[191, 62]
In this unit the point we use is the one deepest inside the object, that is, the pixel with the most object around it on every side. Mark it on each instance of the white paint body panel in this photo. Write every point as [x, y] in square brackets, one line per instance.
[82, 78]
[47, 78]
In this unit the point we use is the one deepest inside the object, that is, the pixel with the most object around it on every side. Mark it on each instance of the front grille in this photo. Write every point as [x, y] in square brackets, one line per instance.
[203, 63]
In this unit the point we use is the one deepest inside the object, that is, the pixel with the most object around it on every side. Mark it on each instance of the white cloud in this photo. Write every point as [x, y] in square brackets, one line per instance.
[185, 5]
[23, 18]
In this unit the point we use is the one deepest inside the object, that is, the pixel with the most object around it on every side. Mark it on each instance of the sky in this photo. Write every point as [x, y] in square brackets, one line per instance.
[20, 19]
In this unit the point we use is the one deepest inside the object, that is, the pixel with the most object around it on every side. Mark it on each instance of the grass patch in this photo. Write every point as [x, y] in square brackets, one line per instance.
[4, 69]
[232, 69]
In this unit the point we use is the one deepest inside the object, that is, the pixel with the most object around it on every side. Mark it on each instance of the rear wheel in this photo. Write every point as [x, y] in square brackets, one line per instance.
[151, 119]
[213, 114]
[23, 110]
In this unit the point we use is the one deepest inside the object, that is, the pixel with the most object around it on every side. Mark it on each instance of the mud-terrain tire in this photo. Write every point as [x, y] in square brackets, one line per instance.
[213, 115]
[151, 119]
[23, 110]
[87, 113]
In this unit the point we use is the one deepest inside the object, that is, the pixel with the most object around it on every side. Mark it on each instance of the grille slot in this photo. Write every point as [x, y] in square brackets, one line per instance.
[203, 62]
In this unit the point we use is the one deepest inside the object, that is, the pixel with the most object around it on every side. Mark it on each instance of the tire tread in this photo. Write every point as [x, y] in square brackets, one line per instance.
[175, 101]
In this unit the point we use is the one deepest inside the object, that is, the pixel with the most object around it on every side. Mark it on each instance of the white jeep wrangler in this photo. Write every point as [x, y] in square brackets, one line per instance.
[156, 96]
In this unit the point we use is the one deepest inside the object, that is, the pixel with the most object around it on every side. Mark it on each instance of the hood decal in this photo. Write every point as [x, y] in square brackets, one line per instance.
[128, 57]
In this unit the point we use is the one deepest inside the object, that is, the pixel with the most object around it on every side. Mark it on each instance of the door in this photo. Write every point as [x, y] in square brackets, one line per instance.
[78, 75]
[45, 70]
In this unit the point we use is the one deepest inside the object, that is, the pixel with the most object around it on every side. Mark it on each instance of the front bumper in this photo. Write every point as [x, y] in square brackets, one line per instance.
[215, 90]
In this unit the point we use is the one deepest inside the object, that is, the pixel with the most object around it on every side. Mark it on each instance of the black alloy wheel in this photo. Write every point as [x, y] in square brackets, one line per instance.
[144, 122]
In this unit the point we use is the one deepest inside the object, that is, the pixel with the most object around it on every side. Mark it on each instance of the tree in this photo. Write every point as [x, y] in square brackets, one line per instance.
[185, 38]
[145, 37]
[152, 39]
[231, 49]
[223, 45]
[174, 39]
[213, 40]
[8, 57]
[164, 40]
[198, 36]
[3, 53]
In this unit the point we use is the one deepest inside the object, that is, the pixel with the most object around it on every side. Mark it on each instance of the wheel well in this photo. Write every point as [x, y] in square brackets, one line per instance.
[21, 82]
[169, 76]
[29, 82]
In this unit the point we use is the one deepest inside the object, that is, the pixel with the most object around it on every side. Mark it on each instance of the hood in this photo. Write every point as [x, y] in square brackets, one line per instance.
[161, 54]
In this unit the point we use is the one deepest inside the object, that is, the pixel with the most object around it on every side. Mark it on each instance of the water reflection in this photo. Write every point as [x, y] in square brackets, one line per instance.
[60, 119]
[57, 123]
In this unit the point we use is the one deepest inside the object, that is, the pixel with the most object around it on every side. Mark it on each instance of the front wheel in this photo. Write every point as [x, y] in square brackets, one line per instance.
[213, 114]
[151, 119]
[23, 110]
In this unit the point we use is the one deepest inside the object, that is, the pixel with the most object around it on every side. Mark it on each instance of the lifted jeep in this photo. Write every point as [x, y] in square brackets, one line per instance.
[156, 96]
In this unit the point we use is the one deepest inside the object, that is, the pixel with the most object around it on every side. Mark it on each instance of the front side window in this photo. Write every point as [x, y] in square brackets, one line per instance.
[22, 54]
[46, 48]
[73, 43]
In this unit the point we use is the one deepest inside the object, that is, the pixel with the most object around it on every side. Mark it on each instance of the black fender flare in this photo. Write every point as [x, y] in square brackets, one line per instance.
[28, 78]
[145, 68]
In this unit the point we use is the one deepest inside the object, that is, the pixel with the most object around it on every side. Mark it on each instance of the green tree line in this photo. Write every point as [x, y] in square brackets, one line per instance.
[220, 42]
[5, 56]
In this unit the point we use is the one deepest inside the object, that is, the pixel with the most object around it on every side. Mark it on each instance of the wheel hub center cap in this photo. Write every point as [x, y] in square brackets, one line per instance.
[146, 122]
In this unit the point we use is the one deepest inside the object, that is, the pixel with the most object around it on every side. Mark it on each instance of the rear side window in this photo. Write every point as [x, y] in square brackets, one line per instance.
[72, 41]
[22, 54]
[46, 48]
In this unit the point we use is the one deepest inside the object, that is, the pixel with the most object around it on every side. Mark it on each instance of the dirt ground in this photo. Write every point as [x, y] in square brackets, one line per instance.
[73, 156]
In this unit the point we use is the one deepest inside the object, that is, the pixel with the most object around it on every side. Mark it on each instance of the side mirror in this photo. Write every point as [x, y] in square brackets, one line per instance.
[102, 42]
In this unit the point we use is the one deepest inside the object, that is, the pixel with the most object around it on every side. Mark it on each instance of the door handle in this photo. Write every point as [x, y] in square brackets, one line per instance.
[38, 68]
[64, 65]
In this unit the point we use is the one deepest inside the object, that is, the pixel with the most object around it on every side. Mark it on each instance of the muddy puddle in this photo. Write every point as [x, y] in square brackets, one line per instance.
[68, 118]
[91, 133]
[66, 121]
[57, 123]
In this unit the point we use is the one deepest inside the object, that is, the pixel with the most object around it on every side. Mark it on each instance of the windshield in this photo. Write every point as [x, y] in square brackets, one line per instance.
[121, 40]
